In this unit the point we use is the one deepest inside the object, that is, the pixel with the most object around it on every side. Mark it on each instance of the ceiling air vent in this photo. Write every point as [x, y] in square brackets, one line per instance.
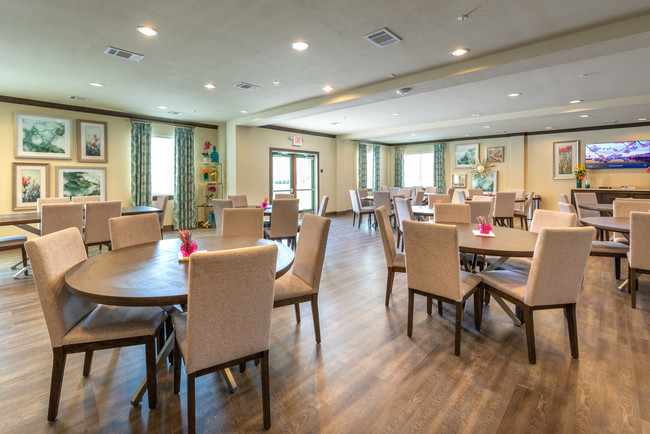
[382, 37]
[117, 52]
[246, 86]
[80, 98]
[175, 113]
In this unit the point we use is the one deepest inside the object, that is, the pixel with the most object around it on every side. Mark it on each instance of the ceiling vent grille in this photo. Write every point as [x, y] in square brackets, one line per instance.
[175, 113]
[80, 98]
[246, 86]
[117, 52]
[382, 37]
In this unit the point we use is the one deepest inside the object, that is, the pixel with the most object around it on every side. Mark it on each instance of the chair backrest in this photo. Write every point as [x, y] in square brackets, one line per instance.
[471, 192]
[419, 198]
[450, 192]
[50, 200]
[504, 204]
[284, 218]
[243, 222]
[639, 240]
[97, 215]
[161, 203]
[404, 210]
[586, 199]
[238, 200]
[452, 213]
[529, 202]
[461, 196]
[431, 189]
[57, 216]
[284, 196]
[384, 188]
[558, 265]
[363, 192]
[218, 206]
[406, 192]
[564, 198]
[544, 218]
[386, 232]
[567, 208]
[354, 198]
[519, 194]
[51, 257]
[382, 198]
[86, 199]
[131, 230]
[623, 208]
[310, 251]
[394, 191]
[480, 208]
[432, 260]
[322, 209]
[438, 198]
[482, 198]
[229, 305]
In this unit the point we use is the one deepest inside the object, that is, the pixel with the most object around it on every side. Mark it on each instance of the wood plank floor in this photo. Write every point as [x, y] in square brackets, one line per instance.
[367, 375]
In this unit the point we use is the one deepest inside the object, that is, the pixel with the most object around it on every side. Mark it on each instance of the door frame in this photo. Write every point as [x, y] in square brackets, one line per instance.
[296, 151]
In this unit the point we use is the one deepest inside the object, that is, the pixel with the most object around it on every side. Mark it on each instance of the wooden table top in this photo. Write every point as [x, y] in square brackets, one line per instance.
[507, 242]
[602, 207]
[150, 274]
[614, 224]
[422, 210]
[35, 217]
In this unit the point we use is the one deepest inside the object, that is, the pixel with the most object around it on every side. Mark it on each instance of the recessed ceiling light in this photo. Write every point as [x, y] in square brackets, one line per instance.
[300, 46]
[512, 95]
[475, 115]
[147, 31]
[391, 75]
[243, 111]
[585, 116]
[162, 107]
[328, 88]
[549, 128]
[642, 119]
[487, 126]
[413, 134]
[459, 52]
[209, 86]
[575, 101]
[92, 83]
[399, 114]
[276, 83]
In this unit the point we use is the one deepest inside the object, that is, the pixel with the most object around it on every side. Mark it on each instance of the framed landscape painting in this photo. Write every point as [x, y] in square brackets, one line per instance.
[496, 154]
[80, 181]
[488, 182]
[92, 146]
[466, 155]
[459, 180]
[42, 137]
[30, 183]
[565, 158]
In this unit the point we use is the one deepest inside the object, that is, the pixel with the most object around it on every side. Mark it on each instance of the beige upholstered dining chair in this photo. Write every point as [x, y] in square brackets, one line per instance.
[431, 189]
[433, 271]
[384, 188]
[403, 211]
[238, 200]
[303, 282]
[383, 199]
[489, 199]
[471, 192]
[77, 326]
[49, 201]
[480, 208]
[132, 230]
[218, 205]
[406, 192]
[394, 191]
[284, 221]
[504, 209]
[462, 198]
[243, 222]
[16, 242]
[86, 199]
[639, 255]
[395, 261]
[452, 213]
[450, 192]
[359, 210]
[586, 199]
[554, 280]
[363, 192]
[418, 199]
[55, 217]
[322, 210]
[228, 318]
[284, 196]
[523, 212]
[623, 208]
[438, 198]
[97, 216]
[519, 194]
[161, 203]
[564, 198]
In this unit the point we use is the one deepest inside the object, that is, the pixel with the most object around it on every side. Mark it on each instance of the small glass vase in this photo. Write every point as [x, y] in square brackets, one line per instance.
[206, 176]
[188, 249]
[578, 183]
[587, 183]
[484, 228]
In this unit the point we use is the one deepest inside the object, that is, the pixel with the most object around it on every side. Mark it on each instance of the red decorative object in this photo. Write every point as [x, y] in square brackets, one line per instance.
[188, 245]
[188, 249]
[484, 228]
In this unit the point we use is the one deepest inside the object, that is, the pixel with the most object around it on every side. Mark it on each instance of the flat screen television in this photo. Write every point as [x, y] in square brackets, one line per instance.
[617, 155]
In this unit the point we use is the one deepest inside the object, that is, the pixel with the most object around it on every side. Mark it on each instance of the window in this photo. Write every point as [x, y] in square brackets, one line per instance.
[162, 166]
[370, 179]
[418, 169]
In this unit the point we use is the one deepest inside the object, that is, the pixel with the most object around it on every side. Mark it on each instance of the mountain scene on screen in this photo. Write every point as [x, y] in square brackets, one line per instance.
[617, 154]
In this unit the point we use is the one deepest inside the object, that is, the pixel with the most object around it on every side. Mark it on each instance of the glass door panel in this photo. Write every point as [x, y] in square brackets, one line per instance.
[295, 173]
[282, 174]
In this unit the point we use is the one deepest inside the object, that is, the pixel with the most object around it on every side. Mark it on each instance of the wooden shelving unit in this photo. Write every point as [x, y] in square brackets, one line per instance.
[214, 179]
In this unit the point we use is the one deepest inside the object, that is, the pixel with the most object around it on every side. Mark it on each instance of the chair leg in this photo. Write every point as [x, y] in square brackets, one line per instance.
[152, 382]
[573, 329]
[177, 368]
[409, 327]
[242, 368]
[478, 309]
[23, 252]
[168, 331]
[191, 404]
[297, 309]
[389, 283]
[530, 334]
[58, 367]
[266, 392]
[314, 313]
[399, 237]
[359, 222]
[632, 283]
[617, 268]
[525, 222]
[459, 324]
[440, 307]
[354, 217]
[429, 305]
[88, 362]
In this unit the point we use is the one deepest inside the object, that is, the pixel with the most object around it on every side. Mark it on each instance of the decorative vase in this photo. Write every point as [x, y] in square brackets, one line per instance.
[206, 159]
[206, 176]
[484, 228]
[587, 184]
[188, 249]
[214, 155]
[578, 183]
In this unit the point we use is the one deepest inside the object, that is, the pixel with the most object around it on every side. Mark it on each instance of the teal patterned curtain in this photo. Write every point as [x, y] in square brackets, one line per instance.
[140, 164]
[439, 167]
[399, 166]
[376, 156]
[184, 202]
[363, 165]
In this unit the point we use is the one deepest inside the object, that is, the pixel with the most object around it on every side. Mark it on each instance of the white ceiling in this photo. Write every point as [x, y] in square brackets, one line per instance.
[51, 50]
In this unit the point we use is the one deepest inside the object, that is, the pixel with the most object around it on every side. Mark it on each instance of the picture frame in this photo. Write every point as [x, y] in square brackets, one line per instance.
[466, 155]
[488, 182]
[81, 181]
[43, 137]
[30, 183]
[459, 180]
[92, 146]
[565, 157]
[496, 154]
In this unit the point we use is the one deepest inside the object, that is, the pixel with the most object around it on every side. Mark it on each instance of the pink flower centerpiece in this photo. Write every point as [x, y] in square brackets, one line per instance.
[188, 245]
[483, 226]
[206, 148]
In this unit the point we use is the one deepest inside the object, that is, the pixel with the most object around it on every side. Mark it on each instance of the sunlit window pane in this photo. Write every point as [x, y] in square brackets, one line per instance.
[370, 180]
[162, 166]
[418, 169]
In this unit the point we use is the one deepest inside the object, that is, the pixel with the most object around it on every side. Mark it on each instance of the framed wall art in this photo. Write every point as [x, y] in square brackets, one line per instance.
[487, 182]
[30, 183]
[459, 180]
[565, 158]
[92, 145]
[42, 137]
[466, 155]
[80, 181]
[496, 154]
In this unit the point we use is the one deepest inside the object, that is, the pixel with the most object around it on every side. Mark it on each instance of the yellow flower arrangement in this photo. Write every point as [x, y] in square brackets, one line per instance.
[580, 172]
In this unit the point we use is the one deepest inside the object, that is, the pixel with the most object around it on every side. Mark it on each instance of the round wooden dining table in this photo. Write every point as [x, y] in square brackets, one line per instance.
[604, 208]
[613, 224]
[507, 242]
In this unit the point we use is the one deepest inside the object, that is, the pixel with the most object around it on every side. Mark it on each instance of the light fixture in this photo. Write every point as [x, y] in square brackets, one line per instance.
[462, 18]
[162, 107]
[209, 86]
[147, 31]
[403, 91]
[94, 84]
[300, 45]
[642, 119]
[585, 116]
[487, 126]
[328, 88]
[413, 134]
[459, 52]
[475, 115]
[243, 111]
[515, 94]
[549, 128]
[575, 101]
[276, 83]
[397, 114]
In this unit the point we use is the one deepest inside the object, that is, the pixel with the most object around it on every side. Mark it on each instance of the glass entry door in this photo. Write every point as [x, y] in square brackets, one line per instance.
[295, 173]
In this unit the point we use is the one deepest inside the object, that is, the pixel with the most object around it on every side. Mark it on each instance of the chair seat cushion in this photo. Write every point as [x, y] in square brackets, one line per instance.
[365, 209]
[517, 264]
[468, 281]
[520, 213]
[612, 247]
[115, 322]
[179, 320]
[13, 241]
[510, 282]
[399, 260]
[290, 286]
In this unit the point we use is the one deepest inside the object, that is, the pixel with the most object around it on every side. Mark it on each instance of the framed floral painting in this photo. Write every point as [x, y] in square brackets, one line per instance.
[30, 183]
[565, 158]
[496, 154]
[42, 137]
[466, 155]
[459, 180]
[80, 181]
[92, 145]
